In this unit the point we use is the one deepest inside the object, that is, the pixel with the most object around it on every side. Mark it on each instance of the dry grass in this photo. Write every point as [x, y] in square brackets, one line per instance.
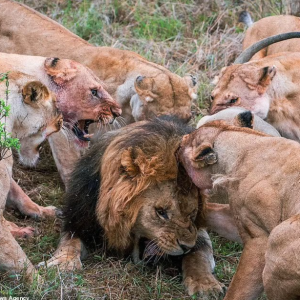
[191, 36]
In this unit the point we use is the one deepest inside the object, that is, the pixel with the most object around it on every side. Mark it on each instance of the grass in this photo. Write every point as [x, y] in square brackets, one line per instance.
[186, 36]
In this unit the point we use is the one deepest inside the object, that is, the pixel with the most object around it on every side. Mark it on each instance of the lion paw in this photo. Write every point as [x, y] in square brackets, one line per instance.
[48, 212]
[25, 232]
[205, 287]
[66, 263]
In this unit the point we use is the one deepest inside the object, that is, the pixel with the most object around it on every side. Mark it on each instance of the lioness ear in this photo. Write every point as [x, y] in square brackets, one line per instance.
[191, 81]
[34, 92]
[204, 155]
[244, 119]
[144, 86]
[267, 74]
[60, 71]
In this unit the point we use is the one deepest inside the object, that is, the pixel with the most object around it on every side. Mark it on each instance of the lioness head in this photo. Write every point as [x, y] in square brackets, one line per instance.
[34, 115]
[163, 94]
[243, 85]
[197, 150]
[81, 96]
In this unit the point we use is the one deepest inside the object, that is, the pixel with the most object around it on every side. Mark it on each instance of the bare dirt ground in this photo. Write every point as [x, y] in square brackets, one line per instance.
[195, 37]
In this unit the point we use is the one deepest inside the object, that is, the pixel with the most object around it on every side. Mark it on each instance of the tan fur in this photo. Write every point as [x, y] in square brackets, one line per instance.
[263, 191]
[72, 84]
[136, 184]
[142, 88]
[269, 26]
[269, 87]
[33, 116]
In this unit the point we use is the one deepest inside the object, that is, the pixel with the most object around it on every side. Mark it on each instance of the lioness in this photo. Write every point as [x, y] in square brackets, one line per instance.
[140, 201]
[142, 88]
[270, 26]
[263, 190]
[269, 87]
[80, 97]
[33, 117]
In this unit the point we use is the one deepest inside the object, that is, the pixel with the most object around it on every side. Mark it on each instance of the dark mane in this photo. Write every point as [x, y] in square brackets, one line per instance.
[83, 190]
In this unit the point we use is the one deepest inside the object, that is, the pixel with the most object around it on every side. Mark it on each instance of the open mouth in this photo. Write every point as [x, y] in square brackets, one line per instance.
[81, 130]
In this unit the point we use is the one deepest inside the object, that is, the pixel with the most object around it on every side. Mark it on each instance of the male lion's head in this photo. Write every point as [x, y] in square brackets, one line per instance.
[131, 184]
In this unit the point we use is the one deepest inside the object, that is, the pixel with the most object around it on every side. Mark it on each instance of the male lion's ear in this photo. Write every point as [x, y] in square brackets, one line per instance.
[267, 74]
[34, 92]
[205, 155]
[244, 119]
[144, 86]
[128, 163]
[135, 162]
[60, 71]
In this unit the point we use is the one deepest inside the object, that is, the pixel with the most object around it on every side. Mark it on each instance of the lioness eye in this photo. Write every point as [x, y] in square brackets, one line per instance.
[212, 98]
[94, 92]
[232, 101]
[162, 213]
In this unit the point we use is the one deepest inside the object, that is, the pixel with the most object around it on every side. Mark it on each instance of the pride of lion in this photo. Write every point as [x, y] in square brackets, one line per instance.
[152, 188]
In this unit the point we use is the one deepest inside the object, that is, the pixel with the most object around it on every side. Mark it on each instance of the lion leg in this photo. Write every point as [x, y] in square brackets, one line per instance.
[220, 220]
[281, 275]
[197, 270]
[68, 254]
[65, 153]
[12, 257]
[17, 199]
[21, 232]
[247, 281]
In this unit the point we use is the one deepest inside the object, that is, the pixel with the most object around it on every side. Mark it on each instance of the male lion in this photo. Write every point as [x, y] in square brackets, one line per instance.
[263, 189]
[130, 189]
[33, 117]
[142, 88]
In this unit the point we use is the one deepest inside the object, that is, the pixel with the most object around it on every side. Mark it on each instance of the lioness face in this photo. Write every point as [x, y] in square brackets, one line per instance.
[81, 96]
[42, 120]
[167, 218]
[243, 85]
[163, 95]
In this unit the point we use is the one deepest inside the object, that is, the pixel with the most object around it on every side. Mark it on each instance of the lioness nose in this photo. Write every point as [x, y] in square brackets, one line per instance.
[116, 112]
[184, 248]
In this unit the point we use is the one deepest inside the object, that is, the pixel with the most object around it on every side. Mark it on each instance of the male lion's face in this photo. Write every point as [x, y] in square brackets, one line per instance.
[164, 94]
[243, 85]
[166, 219]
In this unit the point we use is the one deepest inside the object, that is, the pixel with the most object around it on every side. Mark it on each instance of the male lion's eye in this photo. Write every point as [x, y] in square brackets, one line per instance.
[162, 213]
[94, 92]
